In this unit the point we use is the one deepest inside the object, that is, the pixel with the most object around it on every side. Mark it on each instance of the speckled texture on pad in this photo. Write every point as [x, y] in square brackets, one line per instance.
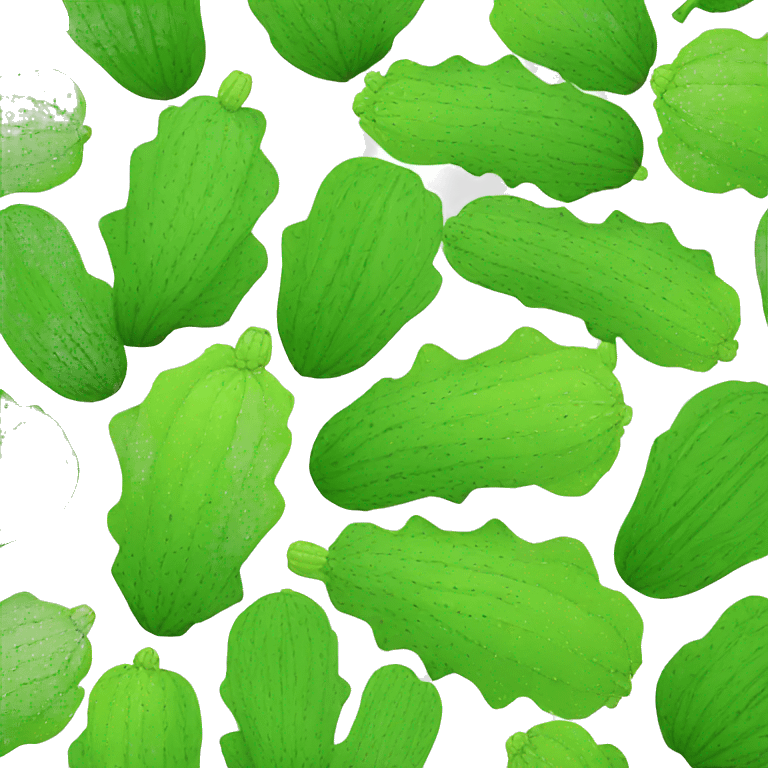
[598, 45]
[334, 39]
[501, 119]
[712, 700]
[761, 260]
[528, 412]
[712, 103]
[359, 267]
[140, 716]
[701, 510]
[515, 618]
[623, 278]
[56, 318]
[182, 248]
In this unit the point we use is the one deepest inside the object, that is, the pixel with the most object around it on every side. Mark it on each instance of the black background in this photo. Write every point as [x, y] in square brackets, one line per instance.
[63, 552]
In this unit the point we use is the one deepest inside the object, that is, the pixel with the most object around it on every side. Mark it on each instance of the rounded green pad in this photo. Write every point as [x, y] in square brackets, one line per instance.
[38, 152]
[710, 6]
[501, 119]
[562, 744]
[515, 618]
[182, 248]
[359, 268]
[711, 699]
[199, 457]
[623, 278]
[712, 103]
[761, 260]
[282, 655]
[528, 412]
[139, 716]
[594, 44]
[44, 654]
[57, 319]
[334, 39]
[154, 48]
[700, 512]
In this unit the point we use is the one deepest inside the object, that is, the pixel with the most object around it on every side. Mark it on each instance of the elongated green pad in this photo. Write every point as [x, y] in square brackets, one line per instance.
[711, 103]
[700, 512]
[41, 141]
[528, 412]
[284, 690]
[595, 45]
[623, 278]
[199, 457]
[761, 261]
[182, 248]
[44, 654]
[711, 699]
[710, 6]
[562, 744]
[154, 48]
[139, 716]
[57, 319]
[359, 267]
[334, 39]
[514, 618]
[501, 119]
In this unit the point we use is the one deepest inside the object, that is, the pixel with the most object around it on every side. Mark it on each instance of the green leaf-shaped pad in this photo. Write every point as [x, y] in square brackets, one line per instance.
[41, 141]
[624, 278]
[501, 119]
[154, 48]
[710, 6]
[761, 261]
[199, 457]
[701, 509]
[514, 618]
[561, 744]
[57, 319]
[140, 716]
[359, 267]
[182, 248]
[712, 700]
[334, 39]
[712, 103]
[284, 689]
[595, 45]
[528, 412]
[44, 654]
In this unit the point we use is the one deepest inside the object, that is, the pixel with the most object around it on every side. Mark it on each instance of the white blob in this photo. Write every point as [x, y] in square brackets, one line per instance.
[455, 186]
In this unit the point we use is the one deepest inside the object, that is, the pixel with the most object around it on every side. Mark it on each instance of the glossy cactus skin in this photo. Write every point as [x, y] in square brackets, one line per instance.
[595, 45]
[501, 119]
[140, 715]
[154, 48]
[711, 698]
[56, 318]
[284, 689]
[182, 248]
[369, 242]
[710, 6]
[624, 278]
[44, 654]
[761, 261]
[334, 39]
[711, 103]
[199, 457]
[700, 512]
[514, 618]
[560, 743]
[496, 420]
[41, 142]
